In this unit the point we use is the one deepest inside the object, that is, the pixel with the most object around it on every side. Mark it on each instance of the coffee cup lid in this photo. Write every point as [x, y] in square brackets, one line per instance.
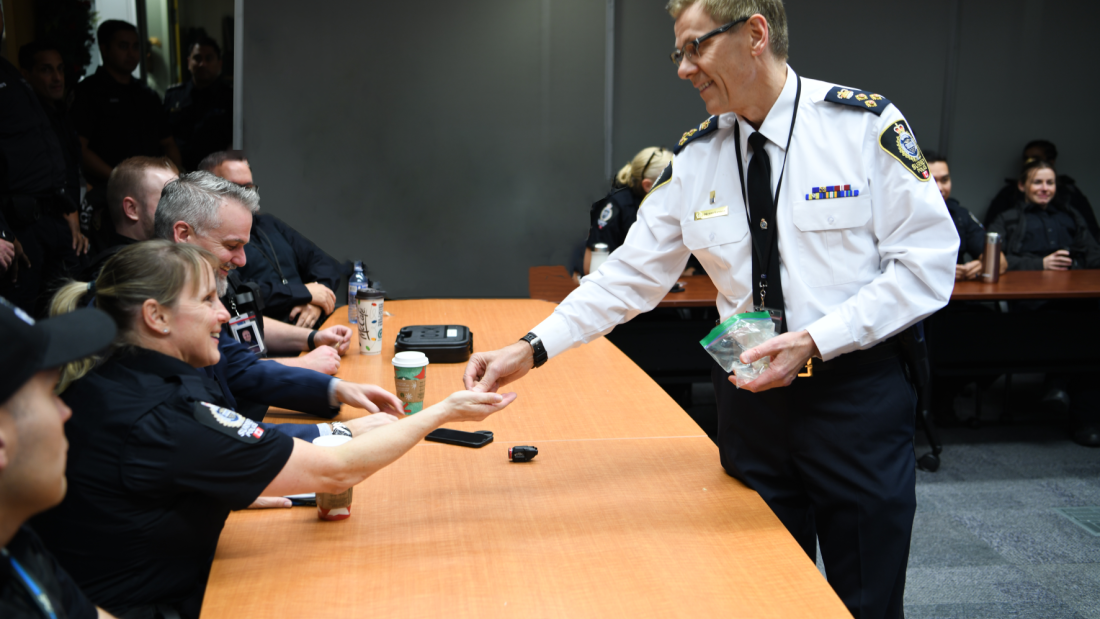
[410, 359]
[370, 293]
[331, 440]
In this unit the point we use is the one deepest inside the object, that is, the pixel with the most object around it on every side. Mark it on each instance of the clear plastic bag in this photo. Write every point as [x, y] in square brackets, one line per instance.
[735, 335]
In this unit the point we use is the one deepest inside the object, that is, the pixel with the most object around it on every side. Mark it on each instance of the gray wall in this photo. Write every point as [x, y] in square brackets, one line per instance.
[453, 145]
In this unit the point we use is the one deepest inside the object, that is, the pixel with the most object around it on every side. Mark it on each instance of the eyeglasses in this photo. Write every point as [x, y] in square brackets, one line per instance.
[650, 160]
[691, 48]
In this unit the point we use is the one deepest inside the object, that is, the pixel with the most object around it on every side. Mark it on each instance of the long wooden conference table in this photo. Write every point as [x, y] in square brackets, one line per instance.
[625, 512]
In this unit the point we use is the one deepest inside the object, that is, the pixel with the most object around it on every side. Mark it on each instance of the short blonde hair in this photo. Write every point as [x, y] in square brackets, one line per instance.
[157, 269]
[725, 11]
[648, 163]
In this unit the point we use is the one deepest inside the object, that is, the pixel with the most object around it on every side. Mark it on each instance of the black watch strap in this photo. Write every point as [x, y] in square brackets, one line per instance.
[537, 347]
[309, 341]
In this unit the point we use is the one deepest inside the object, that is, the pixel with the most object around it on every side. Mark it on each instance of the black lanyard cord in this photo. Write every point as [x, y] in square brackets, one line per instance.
[779, 185]
[273, 259]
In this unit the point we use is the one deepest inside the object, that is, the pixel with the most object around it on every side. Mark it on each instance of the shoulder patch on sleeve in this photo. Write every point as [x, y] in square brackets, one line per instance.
[862, 99]
[898, 140]
[228, 422]
[707, 126]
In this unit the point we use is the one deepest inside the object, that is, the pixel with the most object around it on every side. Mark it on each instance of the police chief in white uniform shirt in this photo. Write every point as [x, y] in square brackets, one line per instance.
[866, 249]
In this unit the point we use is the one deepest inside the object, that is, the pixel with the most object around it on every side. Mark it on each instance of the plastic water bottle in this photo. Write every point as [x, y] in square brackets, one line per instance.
[357, 282]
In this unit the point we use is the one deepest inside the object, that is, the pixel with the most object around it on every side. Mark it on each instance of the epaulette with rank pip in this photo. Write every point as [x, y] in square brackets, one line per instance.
[862, 99]
[709, 125]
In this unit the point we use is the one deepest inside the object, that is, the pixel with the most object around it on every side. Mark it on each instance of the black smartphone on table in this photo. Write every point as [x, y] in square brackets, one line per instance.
[458, 437]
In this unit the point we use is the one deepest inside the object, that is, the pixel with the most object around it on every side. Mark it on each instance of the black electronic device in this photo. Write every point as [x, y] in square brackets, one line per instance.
[480, 438]
[441, 343]
[522, 453]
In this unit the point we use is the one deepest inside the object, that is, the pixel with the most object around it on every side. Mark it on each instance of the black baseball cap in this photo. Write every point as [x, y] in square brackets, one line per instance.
[30, 347]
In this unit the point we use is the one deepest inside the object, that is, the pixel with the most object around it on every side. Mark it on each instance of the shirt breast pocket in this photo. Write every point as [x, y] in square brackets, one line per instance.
[832, 238]
[707, 237]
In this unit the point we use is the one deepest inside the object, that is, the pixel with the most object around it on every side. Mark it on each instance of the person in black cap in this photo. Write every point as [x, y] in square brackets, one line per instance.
[158, 460]
[32, 454]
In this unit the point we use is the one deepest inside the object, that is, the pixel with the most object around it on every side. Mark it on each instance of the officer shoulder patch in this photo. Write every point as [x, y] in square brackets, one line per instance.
[227, 422]
[864, 100]
[898, 140]
[709, 125]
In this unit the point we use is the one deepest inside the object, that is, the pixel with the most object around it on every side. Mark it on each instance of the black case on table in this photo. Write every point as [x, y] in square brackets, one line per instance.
[441, 343]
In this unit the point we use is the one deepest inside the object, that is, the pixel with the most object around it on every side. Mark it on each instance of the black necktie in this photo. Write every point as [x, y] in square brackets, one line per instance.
[762, 227]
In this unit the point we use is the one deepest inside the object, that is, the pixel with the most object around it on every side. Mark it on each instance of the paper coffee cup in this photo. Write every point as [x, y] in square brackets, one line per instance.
[411, 375]
[333, 506]
[368, 302]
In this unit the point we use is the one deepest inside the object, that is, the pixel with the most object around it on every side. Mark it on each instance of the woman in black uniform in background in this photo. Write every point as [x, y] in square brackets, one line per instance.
[156, 463]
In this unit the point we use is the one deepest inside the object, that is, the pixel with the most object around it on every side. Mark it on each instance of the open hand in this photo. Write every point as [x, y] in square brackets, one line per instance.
[475, 405]
[368, 397]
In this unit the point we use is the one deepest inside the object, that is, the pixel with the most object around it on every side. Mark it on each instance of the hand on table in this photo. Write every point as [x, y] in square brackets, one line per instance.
[489, 371]
[322, 359]
[339, 337]
[368, 397]
[323, 297]
[475, 405]
[267, 502]
[789, 353]
[970, 270]
[1058, 261]
[307, 315]
[366, 423]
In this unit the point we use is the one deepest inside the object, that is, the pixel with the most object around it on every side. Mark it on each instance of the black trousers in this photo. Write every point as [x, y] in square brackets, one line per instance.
[832, 456]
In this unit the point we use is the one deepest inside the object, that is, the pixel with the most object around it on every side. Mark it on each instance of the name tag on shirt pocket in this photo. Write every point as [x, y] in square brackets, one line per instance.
[713, 226]
[838, 214]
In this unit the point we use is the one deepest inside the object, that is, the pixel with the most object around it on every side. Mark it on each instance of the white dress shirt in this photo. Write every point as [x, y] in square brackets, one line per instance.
[855, 270]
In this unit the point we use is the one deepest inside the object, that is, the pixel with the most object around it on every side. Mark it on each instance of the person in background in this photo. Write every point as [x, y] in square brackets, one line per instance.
[1067, 191]
[33, 454]
[35, 208]
[116, 115]
[1042, 233]
[158, 459]
[44, 69]
[133, 191]
[971, 231]
[281, 259]
[200, 110]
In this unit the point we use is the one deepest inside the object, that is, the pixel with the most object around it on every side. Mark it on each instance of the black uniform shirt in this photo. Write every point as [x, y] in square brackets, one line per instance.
[65, 130]
[201, 120]
[612, 217]
[971, 231]
[153, 474]
[282, 262]
[31, 159]
[1048, 230]
[38, 565]
[119, 120]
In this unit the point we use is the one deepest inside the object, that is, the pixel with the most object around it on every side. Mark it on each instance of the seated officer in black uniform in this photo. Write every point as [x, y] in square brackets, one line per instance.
[1042, 233]
[158, 460]
[200, 110]
[280, 259]
[34, 202]
[116, 115]
[1068, 193]
[132, 195]
[971, 231]
[32, 455]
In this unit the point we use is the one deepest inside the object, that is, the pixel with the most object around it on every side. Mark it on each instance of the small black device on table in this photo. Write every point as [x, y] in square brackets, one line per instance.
[441, 343]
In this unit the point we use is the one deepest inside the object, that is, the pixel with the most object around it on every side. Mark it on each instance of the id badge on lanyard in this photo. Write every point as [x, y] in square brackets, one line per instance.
[247, 332]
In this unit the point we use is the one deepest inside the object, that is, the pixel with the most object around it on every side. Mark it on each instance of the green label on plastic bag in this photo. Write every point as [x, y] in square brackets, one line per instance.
[726, 325]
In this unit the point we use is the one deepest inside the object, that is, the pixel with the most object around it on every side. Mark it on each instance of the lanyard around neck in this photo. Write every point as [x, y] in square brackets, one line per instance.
[779, 185]
[33, 590]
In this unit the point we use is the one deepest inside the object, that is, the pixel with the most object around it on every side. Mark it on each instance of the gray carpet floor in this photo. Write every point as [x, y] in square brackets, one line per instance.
[987, 539]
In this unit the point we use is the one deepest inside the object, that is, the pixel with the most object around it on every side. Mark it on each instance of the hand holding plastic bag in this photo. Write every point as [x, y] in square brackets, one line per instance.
[738, 333]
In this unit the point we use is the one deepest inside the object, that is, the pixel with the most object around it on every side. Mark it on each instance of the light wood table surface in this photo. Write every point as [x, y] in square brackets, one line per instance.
[554, 284]
[626, 511]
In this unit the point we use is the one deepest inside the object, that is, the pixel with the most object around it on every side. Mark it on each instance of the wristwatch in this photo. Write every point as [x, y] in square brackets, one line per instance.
[537, 347]
[339, 429]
